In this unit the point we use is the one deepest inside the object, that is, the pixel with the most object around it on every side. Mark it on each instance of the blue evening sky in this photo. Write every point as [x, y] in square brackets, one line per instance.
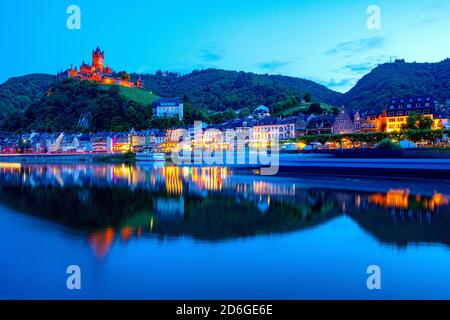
[322, 40]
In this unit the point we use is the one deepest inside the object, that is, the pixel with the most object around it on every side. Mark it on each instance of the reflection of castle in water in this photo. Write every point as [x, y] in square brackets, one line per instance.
[213, 203]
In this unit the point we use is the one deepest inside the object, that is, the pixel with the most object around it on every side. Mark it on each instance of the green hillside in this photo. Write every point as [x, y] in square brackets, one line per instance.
[304, 108]
[18, 93]
[71, 100]
[401, 80]
[219, 90]
[140, 96]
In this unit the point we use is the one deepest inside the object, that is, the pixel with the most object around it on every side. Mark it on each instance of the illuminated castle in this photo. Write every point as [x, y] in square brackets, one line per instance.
[99, 73]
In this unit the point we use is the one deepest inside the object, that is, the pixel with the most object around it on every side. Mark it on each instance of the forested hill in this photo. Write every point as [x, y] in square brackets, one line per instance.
[220, 89]
[212, 89]
[399, 79]
[102, 108]
[17, 93]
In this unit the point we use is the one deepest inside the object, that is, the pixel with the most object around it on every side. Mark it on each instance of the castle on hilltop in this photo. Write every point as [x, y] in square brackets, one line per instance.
[98, 72]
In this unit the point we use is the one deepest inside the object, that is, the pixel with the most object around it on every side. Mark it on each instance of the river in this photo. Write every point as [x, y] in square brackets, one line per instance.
[167, 232]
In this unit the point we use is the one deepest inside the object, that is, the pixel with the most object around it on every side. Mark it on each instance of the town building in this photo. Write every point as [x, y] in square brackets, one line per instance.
[441, 121]
[101, 142]
[399, 110]
[319, 124]
[139, 140]
[343, 123]
[121, 142]
[357, 121]
[373, 121]
[261, 112]
[84, 143]
[168, 108]
[98, 72]
[300, 126]
[53, 142]
[270, 129]
[160, 137]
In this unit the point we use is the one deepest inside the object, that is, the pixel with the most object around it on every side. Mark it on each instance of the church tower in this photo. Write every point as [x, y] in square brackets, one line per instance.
[98, 59]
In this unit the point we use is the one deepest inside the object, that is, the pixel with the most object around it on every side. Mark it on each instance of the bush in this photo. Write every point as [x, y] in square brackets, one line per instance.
[387, 145]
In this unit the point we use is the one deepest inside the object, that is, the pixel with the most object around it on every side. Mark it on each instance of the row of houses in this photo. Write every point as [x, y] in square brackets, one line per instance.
[264, 127]
[394, 118]
[101, 142]
[258, 128]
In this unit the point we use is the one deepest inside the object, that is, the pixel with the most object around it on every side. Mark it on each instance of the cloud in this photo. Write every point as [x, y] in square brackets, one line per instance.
[211, 54]
[341, 85]
[367, 64]
[359, 67]
[273, 65]
[358, 46]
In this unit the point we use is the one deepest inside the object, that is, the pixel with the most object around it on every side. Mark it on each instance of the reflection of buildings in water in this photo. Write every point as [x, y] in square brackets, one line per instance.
[126, 233]
[258, 188]
[174, 184]
[194, 179]
[263, 204]
[260, 192]
[172, 179]
[101, 241]
[170, 208]
[394, 198]
[209, 178]
[7, 167]
[401, 199]
[439, 200]
[274, 189]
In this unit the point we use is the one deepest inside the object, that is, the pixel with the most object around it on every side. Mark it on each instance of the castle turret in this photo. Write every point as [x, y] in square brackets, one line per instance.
[98, 59]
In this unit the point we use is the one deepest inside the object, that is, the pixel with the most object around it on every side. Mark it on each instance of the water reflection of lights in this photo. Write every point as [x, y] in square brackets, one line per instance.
[392, 199]
[126, 233]
[10, 167]
[173, 185]
[101, 241]
[268, 188]
[401, 199]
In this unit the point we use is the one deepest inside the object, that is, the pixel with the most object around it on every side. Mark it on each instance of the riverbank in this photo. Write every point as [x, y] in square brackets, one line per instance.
[371, 153]
[68, 158]
[289, 164]
[423, 168]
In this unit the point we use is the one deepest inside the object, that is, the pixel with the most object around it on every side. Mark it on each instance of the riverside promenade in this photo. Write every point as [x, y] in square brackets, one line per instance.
[386, 167]
[54, 158]
[289, 164]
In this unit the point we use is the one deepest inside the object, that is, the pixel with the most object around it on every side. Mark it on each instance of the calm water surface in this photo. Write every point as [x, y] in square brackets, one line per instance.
[164, 232]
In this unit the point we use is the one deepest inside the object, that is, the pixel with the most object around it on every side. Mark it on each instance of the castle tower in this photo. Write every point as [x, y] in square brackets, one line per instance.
[98, 59]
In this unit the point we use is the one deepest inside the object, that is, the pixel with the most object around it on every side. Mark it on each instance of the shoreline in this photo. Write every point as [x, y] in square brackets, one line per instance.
[67, 158]
[289, 164]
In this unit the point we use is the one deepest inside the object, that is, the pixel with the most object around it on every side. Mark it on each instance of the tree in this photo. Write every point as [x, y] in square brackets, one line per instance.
[425, 123]
[411, 122]
[387, 145]
[315, 108]
[13, 122]
[244, 112]
[418, 121]
[307, 97]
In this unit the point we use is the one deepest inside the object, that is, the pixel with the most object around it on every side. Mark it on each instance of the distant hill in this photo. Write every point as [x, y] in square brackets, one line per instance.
[104, 108]
[399, 79]
[219, 90]
[17, 93]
